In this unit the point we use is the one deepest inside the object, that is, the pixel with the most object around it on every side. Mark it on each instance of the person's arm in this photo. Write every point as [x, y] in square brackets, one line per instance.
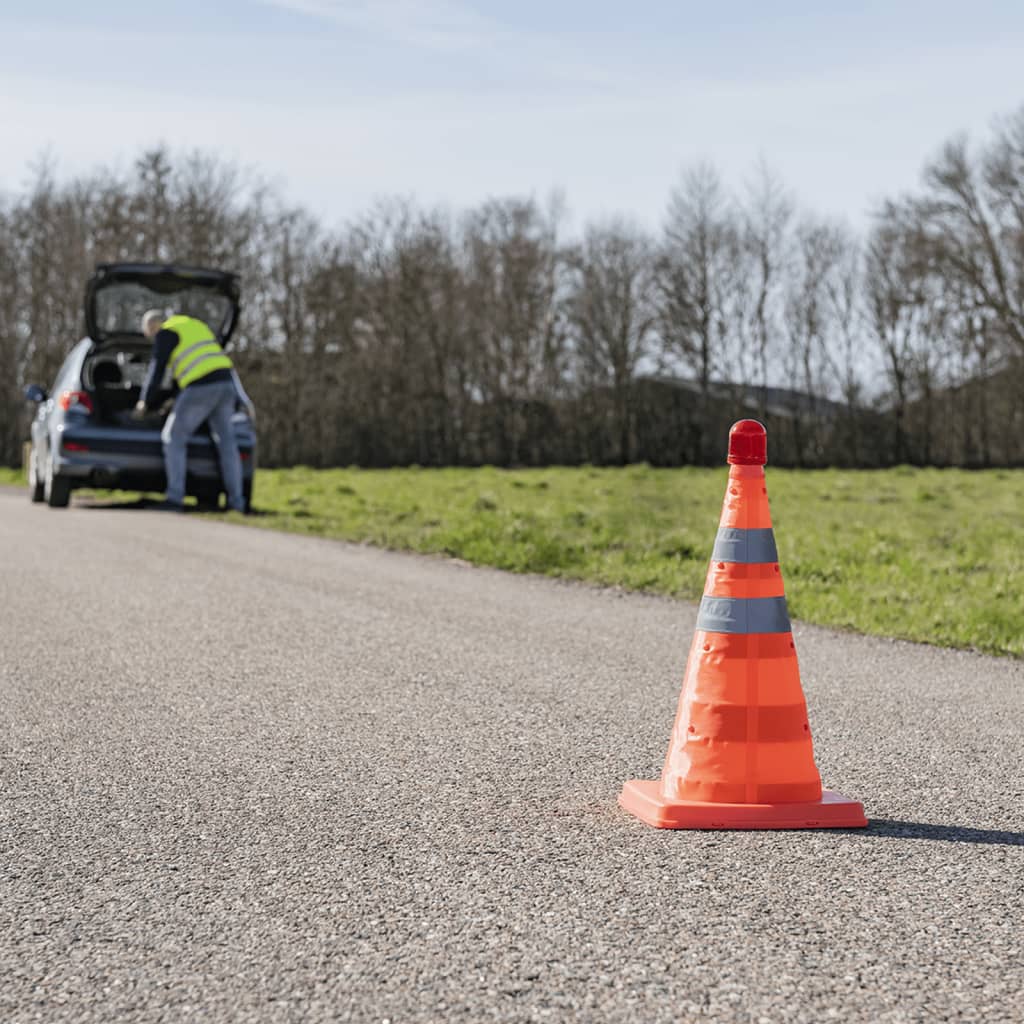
[163, 346]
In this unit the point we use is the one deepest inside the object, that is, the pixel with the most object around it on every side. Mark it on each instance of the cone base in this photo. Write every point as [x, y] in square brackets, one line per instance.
[644, 799]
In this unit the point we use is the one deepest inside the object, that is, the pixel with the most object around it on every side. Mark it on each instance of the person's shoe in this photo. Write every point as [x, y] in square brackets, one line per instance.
[167, 506]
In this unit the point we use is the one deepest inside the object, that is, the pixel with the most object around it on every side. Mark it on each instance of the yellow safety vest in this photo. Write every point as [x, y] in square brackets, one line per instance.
[197, 352]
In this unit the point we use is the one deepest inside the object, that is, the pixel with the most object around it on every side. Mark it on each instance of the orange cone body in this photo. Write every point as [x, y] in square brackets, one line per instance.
[741, 754]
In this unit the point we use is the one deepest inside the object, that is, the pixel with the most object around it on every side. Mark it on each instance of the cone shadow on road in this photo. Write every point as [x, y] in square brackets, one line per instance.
[890, 828]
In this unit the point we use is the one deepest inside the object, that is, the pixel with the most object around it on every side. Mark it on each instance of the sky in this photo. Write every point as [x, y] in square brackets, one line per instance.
[340, 102]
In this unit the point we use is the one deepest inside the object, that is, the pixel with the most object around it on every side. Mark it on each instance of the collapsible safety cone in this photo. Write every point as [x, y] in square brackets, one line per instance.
[740, 754]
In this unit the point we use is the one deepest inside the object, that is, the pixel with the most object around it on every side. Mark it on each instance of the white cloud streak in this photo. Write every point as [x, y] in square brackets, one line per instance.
[434, 25]
[449, 27]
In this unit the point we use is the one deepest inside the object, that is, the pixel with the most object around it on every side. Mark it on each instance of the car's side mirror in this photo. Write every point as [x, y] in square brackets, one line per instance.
[34, 393]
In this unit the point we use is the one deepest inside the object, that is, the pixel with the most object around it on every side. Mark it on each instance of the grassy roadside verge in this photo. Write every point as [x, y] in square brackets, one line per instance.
[928, 555]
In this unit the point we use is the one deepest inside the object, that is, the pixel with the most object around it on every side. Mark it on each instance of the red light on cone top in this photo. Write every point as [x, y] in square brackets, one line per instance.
[748, 444]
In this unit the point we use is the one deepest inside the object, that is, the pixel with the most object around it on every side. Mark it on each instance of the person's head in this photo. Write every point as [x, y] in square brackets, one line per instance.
[151, 321]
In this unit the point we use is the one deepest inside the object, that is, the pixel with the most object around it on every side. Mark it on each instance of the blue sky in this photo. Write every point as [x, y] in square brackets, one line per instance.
[451, 101]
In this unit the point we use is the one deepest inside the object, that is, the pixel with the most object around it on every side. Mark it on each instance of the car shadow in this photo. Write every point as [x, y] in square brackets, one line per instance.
[892, 828]
[144, 504]
[126, 504]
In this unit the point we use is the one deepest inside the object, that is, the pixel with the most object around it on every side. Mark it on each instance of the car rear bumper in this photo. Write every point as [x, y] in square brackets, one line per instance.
[133, 460]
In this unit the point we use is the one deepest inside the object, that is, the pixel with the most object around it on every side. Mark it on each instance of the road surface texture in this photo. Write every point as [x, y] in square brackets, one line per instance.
[247, 776]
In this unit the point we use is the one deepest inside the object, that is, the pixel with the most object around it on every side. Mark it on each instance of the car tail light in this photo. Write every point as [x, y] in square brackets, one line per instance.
[74, 446]
[70, 398]
[245, 455]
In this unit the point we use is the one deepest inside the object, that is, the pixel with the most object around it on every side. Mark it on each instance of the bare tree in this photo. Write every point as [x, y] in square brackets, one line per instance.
[413, 329]
[514, 288]
[767, 218]
[12, 348]
[613, 313]
[900, 316]
[696, 279]
[808, 328]
[971, 220]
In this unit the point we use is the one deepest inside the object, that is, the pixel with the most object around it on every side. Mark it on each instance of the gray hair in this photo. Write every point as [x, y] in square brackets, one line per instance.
[152, 316]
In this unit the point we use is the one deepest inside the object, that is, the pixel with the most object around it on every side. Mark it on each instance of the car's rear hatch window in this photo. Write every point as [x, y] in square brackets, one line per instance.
[118, 294]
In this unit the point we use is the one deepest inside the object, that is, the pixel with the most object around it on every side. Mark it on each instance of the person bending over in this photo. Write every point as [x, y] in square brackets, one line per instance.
[202, 371]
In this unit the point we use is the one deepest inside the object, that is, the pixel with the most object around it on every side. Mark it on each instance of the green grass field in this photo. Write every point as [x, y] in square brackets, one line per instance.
[929, 555]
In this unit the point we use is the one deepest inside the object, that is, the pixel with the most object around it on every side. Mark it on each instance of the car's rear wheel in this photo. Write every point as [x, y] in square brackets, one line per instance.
[35, 482]
[247, 495]
[56, 490]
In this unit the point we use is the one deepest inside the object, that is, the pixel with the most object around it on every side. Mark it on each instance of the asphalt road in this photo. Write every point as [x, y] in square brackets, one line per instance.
[254, 777]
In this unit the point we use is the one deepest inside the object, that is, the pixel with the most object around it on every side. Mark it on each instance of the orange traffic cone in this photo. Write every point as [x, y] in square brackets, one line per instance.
[741, 754]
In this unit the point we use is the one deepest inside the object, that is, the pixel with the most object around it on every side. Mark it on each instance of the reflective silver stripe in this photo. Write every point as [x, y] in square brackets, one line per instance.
[743, 615]
[198, 359]
[192, 348]
[748, 546]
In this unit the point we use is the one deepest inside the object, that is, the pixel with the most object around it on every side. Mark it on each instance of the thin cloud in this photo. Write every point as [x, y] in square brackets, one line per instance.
[436, 25]
[445, 26]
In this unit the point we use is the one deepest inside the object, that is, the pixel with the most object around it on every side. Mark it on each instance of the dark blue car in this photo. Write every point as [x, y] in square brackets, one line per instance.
[84, 435]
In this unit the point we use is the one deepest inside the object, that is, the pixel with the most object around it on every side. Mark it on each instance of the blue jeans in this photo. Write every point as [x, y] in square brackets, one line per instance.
[194, 406]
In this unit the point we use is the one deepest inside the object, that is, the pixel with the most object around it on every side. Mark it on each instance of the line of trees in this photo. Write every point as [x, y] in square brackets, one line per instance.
[416, 335]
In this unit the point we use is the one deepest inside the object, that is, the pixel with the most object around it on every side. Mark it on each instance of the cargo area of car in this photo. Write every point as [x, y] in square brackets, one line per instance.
[114, 375]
